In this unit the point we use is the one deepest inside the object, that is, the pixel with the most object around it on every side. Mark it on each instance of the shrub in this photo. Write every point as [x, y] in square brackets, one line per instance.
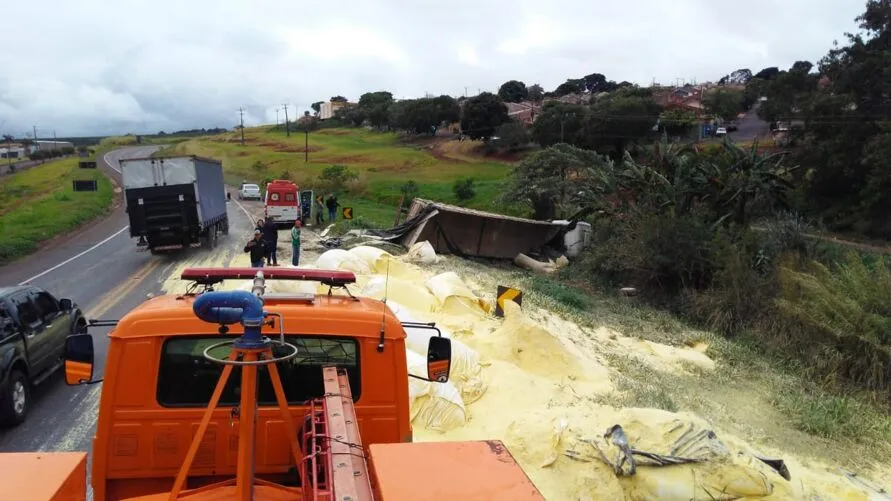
[410, 191]
[512, 136]
[659, 254]
[463, 189]
[842, 318]
[339, 178]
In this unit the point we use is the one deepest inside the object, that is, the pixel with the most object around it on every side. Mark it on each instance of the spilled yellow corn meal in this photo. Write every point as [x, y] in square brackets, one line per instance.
[532, 383]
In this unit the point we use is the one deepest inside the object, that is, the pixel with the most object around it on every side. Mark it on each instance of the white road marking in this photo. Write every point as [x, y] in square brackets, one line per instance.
[108, 162]
[63, 263]
[246, 213]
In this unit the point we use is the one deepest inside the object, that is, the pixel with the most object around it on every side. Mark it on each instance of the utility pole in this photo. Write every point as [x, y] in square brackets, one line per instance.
[9, 152]
[306, 142]
[35, 133]
[287, 125]
[276, 116]
[241, 114]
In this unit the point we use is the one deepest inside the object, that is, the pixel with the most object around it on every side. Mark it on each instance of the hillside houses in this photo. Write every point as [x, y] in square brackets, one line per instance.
[689, 97]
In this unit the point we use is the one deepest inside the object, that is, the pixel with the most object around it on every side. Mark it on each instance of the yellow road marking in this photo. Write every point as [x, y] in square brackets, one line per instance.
[115, 295]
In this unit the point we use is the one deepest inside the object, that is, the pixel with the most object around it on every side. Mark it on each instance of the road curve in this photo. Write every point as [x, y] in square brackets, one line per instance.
[100, 268]
[68, 246]
[84, 266]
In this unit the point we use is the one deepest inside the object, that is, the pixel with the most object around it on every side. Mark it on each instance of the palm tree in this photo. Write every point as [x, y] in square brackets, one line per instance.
[740, 177]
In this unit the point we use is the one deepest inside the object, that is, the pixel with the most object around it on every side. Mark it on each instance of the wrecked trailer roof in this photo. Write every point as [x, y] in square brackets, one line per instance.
[467, 232]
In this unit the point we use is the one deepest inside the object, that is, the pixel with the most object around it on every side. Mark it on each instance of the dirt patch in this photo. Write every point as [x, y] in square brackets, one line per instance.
[505, 157]
[403, 167]
[295, 149]
[242, 154]
[441, 155]
[349, 159]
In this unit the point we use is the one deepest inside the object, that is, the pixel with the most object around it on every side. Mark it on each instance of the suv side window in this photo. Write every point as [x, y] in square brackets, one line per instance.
[47, 306]
[7, 325]
[27, 313]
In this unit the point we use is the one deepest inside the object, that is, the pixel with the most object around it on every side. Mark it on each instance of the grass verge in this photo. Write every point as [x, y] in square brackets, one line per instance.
[381, 162]
[40, 203]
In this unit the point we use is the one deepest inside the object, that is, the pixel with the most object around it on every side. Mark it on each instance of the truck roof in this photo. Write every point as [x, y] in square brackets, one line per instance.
[335, 315]
[192, 157]
[5, 291]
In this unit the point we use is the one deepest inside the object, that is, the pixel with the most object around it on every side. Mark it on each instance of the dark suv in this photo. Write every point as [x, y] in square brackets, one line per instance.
[33, 328]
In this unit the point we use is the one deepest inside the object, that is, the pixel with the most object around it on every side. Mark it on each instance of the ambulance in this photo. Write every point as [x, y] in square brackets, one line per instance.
[282, 202]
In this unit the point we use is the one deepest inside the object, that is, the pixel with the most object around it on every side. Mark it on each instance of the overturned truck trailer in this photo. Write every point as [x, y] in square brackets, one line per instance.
[467, 232]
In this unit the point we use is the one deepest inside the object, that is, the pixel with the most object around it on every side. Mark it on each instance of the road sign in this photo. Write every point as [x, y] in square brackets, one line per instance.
[86, 164]
[507, 294]
[348, 213]
[85, 185]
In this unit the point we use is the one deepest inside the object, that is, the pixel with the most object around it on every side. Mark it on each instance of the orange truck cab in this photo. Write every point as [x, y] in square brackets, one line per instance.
[245, 395]
[282, 202]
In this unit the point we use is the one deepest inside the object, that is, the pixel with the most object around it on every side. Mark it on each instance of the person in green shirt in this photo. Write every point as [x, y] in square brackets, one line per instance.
[295, 242]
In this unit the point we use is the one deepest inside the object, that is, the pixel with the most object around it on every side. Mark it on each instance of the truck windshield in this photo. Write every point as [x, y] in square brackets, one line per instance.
[187, 379]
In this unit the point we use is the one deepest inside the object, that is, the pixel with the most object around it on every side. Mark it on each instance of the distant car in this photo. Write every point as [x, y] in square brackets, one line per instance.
[34, 327]
[721, 131]
[249, 192]
[731, 127]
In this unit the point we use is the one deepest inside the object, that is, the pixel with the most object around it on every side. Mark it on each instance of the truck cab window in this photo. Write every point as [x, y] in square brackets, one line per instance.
[187, 379]
[47, 306]
[27, 313]
[7, 325]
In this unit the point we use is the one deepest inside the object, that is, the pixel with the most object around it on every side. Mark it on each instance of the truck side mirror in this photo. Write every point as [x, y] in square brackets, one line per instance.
[439, 359]
[65, 304]
[78, 359]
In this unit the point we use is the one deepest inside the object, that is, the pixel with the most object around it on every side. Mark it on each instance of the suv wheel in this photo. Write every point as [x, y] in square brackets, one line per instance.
[17, 400]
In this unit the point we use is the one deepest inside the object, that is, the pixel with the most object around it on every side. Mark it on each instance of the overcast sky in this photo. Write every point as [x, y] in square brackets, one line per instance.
[95, 67]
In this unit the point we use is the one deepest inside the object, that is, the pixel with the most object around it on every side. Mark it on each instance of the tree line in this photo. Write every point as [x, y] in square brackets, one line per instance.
[722, 233]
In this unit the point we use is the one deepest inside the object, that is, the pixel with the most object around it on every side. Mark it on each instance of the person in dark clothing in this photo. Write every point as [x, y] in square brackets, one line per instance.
[257, 248]
[270, 236]
[332, 205]
[320, 208]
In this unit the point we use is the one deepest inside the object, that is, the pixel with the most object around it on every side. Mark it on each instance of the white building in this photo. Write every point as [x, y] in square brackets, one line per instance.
[16, 151]
[326, 110]
[52, 145]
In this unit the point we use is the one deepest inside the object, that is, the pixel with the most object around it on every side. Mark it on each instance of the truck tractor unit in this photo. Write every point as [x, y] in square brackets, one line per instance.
[246, 395]
[175, 202]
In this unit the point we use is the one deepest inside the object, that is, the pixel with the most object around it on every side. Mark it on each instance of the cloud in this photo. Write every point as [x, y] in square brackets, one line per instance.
[102, 66]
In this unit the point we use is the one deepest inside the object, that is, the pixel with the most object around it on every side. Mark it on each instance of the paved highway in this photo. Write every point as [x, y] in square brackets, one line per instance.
[750, 127]
[101, 269]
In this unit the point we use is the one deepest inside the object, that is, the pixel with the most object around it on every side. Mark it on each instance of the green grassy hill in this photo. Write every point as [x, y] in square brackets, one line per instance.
[382, 162]
[40, 203]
